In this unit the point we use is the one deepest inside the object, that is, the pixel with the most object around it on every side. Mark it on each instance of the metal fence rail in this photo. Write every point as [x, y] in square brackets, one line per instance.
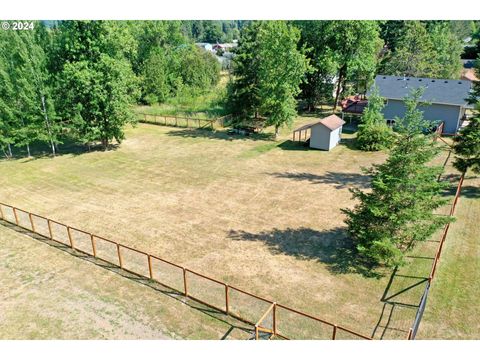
[182, 121]
[418, 317]
[268, 318]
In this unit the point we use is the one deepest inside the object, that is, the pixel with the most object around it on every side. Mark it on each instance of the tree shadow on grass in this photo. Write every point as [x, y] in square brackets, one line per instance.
[218, 135]
[43, 151]
[471, 192]
[290, 145]
[341, 180]
[331, 247]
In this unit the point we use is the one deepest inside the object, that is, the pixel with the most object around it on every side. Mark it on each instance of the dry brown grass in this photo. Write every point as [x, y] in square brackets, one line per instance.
[46, 293]
[258, 214]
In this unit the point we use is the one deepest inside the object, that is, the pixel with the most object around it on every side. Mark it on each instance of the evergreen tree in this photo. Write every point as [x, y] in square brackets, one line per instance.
[414, 53]
[373, 133]
[268, 69]
[448, 50]
[399, 210]
[467, 146]
[243, 89]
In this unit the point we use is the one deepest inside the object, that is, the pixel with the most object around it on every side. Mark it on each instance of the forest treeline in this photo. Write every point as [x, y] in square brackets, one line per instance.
[79, 80]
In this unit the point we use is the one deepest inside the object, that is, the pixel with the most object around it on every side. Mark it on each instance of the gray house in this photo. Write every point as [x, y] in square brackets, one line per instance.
[446, 98]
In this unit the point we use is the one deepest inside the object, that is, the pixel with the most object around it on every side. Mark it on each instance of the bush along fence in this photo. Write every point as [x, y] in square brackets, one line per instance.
[182, 121]
[267, 318]
[423, 302]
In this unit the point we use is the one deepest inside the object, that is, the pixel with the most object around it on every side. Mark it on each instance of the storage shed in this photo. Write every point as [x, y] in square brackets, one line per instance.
[324, 134]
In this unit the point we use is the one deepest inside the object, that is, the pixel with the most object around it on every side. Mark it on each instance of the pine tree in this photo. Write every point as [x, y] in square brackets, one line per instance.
[268, 70]
[399, 210]
[467, 146]
[373, 133]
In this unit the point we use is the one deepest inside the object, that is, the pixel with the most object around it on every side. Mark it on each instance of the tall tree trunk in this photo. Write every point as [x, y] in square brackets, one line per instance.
[10, 150]
[276, 131]
[28, 150]
[341, 75]
[48, 125]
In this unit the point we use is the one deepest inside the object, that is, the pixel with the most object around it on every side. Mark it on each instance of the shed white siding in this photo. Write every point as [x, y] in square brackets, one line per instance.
[323, 138]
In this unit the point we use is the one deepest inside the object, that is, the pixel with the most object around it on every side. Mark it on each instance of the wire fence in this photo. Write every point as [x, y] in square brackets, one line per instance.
[182, 121]
[423, 302]
[267, 318]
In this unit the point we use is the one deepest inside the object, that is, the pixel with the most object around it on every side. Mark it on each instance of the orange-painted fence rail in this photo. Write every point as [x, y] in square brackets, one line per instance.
[423, 302]
[268, 318]
[182, 121]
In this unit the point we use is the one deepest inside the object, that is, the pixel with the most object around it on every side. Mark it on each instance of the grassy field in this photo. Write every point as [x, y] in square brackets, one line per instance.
[208, 105]
[452, 308]
[46, 293]
[259, 214]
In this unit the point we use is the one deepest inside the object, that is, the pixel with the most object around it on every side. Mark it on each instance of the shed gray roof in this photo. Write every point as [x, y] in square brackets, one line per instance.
[437, 91]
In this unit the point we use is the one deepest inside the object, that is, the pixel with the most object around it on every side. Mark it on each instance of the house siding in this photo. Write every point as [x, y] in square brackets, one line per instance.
[450, 114]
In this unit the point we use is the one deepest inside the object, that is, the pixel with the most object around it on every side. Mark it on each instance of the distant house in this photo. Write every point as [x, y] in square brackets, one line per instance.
[205, 46]
[446, 98]
[468, 71]
[324, 134]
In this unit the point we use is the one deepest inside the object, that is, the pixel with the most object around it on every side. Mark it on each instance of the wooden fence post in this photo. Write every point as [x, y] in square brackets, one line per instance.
[50, 229]
[150, 266]
[226, 299]
[15, 214]
[334, 335]
[410, 334]
[185, 287]
[70, 237]
[120, 262]
[256, 332]
[31, 222]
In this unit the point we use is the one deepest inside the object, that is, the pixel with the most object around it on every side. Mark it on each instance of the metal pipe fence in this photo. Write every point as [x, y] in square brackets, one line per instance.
[423, 302]
[268, 318]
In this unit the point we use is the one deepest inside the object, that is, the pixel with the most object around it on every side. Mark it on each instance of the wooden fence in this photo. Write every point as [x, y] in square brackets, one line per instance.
[268, 318]
[413, 330]
[182, 121]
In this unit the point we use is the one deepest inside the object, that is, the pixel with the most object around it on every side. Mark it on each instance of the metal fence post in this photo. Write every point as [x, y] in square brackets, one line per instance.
[70, 237]
[120, 263]
[50, 228]
[274, 318]
[15, 214]
[31, 222]
[226, 299]
[185, 287]
[94, 247]
[150, 266]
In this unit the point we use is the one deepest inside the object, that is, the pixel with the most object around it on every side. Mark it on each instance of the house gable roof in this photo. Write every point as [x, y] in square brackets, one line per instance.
[437, 91]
